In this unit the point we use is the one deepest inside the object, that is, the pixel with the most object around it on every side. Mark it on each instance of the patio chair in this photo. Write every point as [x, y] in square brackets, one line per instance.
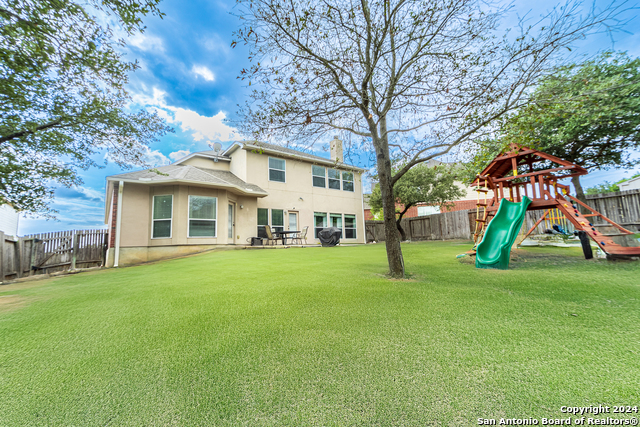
[302, 235]
[270, 236]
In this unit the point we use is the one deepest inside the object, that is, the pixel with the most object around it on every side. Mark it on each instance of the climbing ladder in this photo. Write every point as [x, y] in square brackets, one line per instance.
[481, 219]
[583, 222]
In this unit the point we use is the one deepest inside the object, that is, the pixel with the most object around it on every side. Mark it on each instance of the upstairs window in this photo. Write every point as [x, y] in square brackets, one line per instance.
[347, 181]
[334, 179]
[162, 215]
[276, 169]
[202, 216]
[349, 226]
[318, 176]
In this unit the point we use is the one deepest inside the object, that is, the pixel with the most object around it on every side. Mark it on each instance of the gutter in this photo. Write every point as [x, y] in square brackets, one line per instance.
[240, 190]
[303, 157]
[118, 224]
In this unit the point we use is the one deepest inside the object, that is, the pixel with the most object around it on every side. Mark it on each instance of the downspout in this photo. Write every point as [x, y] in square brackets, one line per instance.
[364, 220]
[118, 224]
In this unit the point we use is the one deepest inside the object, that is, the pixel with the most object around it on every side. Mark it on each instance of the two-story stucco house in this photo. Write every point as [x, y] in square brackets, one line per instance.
[207, 199]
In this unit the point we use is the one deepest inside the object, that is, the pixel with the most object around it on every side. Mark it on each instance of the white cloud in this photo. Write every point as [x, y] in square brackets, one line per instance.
[177, 155]
[146, 42]
[90, 193]
[155, 157]
[204, 127]
[204, 72]
[215, 43]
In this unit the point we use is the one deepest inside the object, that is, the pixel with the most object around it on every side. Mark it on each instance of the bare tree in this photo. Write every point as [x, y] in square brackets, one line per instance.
[414, 78]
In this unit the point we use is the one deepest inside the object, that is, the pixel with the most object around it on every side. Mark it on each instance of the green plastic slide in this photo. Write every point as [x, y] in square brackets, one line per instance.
[501, 233]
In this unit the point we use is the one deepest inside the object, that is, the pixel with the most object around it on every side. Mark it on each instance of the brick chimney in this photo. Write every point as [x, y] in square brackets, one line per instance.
[336, 150]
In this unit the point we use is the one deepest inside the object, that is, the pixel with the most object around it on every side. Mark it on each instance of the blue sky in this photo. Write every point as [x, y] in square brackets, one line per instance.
[188, 74]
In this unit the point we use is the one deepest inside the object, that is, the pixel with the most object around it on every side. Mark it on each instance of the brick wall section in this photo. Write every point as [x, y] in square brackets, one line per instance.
[462, 205]
[114, 216]
[458, 205]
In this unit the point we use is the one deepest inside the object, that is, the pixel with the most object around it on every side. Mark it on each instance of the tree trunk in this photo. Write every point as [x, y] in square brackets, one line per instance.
[575, 180]
[394, 250]
[403, 235]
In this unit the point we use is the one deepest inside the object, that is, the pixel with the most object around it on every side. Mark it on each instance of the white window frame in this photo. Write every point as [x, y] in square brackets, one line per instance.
[434, 210]
[354, 228]
[326, 219]
[153, 208]
[341, 220]
[189, 219]
[271, 220]
[269, 168]
[324, 169]
[263, 225]
[339, 179]
[353, 181]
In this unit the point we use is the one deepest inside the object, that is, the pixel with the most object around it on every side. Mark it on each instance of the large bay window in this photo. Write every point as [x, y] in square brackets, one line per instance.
[162, 215]
[202, 216]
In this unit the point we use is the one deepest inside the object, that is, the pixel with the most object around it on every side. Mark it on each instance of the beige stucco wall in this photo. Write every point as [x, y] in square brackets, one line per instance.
[298, 194]
[471, 193]
[238, 164]
[137, 207]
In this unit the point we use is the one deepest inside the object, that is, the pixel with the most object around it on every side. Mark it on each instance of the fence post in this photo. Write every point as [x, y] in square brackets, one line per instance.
[19, 257]
[32, 258]
[1, 256]
[105, 248]
[74, 253]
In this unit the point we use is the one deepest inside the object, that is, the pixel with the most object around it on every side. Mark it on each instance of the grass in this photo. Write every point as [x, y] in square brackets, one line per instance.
[319, 336]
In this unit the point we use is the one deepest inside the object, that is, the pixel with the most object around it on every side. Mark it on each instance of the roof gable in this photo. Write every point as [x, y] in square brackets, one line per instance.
[516, 155]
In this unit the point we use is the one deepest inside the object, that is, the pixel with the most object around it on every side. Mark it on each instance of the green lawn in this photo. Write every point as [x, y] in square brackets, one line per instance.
[319, 336]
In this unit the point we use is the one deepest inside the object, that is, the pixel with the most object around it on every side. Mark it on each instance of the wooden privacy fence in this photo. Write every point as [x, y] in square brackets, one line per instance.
[449, 225]
[443, 226]
[50, 252]
[622, 207]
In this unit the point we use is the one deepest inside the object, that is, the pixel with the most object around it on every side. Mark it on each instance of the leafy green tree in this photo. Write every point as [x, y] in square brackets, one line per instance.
[608, 187]
[63, 97]
[587, 113]
[421, 184]
[605, 187]
[412, 79]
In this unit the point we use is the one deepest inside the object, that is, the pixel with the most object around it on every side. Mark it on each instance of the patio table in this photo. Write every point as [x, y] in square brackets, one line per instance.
[283, 234]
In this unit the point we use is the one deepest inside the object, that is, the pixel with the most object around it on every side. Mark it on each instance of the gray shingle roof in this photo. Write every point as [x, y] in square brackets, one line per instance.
[190, 173]
[295, 153]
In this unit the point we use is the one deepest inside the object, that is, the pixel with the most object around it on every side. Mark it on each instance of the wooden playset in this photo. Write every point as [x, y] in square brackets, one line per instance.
[521, 172]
